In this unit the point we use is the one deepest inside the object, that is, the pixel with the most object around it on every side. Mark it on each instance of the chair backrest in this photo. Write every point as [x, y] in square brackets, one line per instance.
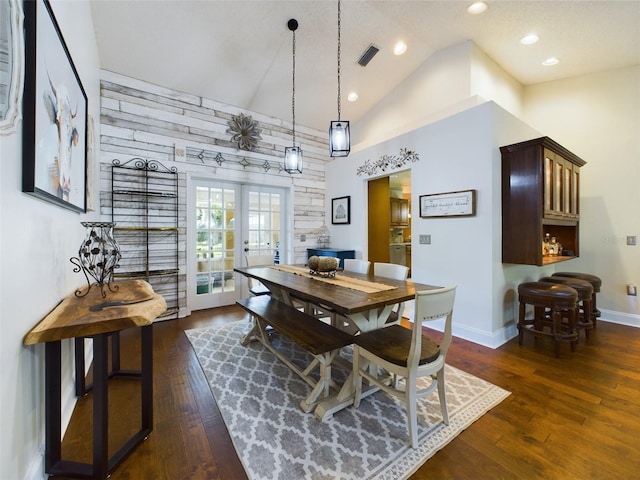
[432, 305]
[357, 266]
[257, 261]
[390, 270]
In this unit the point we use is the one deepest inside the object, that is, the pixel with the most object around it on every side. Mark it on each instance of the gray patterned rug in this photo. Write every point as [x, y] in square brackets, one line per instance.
[259, 399]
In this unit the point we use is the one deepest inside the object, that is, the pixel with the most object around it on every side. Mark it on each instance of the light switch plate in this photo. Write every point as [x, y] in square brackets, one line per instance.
[425, 239]
[632, 240]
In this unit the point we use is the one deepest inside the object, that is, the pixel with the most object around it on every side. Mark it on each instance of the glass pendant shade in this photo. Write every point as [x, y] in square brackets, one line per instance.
[339, 141]
[293, 160]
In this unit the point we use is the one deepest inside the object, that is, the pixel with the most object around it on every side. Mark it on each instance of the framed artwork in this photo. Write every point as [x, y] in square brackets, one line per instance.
[54, 112]
[341, 210]
[11, 64]
[450, 204]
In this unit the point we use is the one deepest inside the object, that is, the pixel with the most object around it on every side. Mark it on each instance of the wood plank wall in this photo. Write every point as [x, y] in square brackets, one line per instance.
[139, 119]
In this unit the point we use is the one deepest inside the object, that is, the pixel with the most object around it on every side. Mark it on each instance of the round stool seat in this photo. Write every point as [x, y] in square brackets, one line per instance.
[595, 282]
[547, 292]
[584, 288]
[554, 306]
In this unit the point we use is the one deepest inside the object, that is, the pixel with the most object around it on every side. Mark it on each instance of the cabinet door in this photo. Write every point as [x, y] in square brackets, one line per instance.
[399, 212]
[561, 187]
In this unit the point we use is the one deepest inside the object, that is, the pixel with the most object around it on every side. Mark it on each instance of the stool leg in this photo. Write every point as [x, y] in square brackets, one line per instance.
[521, 323]
[556, 317]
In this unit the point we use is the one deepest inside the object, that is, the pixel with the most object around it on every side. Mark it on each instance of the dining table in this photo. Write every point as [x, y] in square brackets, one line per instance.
[366, 301]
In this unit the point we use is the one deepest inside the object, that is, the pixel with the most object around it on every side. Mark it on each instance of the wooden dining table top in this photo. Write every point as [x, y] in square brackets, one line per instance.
[345, 301]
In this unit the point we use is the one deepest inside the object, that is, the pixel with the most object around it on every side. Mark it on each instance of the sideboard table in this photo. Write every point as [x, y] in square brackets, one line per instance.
[133, 304]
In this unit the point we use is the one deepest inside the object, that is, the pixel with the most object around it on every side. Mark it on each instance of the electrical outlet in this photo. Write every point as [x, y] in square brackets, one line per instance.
[425, 239]
[303, 237]
[632, 240]
[632, 290]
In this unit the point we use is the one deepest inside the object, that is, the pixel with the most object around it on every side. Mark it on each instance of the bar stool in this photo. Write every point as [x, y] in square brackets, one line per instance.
[562, 302]
[595, 282]
[584, 319]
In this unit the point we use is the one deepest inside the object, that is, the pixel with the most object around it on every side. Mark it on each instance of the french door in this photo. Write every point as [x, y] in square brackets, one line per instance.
[228, 221]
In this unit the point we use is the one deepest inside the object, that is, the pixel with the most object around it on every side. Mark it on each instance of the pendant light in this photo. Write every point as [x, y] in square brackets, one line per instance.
[339, 141]
[293, 155]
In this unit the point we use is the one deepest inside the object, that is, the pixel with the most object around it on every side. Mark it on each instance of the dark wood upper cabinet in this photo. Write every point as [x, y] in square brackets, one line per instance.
[540, 195]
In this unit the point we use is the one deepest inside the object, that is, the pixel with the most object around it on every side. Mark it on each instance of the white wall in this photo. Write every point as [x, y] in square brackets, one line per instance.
[597, 116]
[457, 153]
[452, 80]
[37, 240]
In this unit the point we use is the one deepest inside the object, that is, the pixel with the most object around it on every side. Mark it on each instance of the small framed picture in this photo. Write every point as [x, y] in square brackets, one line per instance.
[341, 210]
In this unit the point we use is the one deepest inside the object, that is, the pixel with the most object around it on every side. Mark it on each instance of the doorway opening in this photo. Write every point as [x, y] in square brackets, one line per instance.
[389, 224]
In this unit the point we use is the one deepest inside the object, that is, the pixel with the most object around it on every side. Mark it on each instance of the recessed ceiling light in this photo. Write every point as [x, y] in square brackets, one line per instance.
[400, 48]
[551, 61]
[477, 7]
[352, 97]
[529, 39]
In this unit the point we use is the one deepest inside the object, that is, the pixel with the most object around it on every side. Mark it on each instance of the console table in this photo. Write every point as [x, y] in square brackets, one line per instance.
[133, 304]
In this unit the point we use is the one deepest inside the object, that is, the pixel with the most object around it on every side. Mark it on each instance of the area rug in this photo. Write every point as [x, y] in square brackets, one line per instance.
[259, 399]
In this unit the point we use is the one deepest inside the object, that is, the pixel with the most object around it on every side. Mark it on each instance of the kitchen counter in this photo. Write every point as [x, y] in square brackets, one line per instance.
[406, 244]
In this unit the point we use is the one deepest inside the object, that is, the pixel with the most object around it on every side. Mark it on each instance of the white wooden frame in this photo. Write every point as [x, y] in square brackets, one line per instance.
[11, 37]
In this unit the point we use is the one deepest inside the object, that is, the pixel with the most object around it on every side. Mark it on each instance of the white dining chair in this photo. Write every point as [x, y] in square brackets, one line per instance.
[356, 265]
[396, 272]
[256, 287]
[409, 354]
[391, 270]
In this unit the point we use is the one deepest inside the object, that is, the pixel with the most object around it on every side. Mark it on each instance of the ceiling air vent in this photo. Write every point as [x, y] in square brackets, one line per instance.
[368, 54]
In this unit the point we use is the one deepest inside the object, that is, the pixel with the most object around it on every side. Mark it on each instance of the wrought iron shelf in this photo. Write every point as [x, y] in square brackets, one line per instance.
[145, 211]
[148, 193]
[144, 273]
[147, 229]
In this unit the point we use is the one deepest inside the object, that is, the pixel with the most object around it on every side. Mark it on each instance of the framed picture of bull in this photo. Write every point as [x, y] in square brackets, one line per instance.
[54, 114]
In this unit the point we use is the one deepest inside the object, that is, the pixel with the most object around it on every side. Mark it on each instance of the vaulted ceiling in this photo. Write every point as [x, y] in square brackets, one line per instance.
[240, 51]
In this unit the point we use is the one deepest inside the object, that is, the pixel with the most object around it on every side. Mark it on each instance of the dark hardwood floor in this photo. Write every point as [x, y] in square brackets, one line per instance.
[576, 417]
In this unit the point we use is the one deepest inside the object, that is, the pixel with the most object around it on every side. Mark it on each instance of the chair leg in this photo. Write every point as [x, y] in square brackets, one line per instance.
[443, 396]
[412, 411]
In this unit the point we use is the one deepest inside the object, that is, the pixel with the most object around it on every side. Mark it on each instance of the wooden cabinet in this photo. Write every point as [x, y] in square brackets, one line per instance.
[540, 195]
[399, 212]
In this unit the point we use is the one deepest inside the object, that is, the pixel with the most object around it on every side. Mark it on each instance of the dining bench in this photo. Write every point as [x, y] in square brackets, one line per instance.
[320, 339]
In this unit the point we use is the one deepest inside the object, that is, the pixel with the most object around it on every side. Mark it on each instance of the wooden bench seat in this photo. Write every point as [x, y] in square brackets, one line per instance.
[321, 340]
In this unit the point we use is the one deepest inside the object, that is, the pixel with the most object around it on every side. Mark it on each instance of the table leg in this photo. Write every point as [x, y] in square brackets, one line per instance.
[147, 378]
[100, 405]
[53, 405]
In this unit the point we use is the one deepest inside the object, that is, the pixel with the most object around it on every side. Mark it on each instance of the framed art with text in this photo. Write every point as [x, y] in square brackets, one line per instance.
[54, 114]
[450, 204]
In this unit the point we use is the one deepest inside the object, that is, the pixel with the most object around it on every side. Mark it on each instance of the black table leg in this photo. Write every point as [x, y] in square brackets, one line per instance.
[100, 405]
[52, 405]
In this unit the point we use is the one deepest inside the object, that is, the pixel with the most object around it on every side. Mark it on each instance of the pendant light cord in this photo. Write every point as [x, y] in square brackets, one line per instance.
[293, 94]
[339, 48]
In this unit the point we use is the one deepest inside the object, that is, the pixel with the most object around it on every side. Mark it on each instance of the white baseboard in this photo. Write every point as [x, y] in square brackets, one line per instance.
[620, 318]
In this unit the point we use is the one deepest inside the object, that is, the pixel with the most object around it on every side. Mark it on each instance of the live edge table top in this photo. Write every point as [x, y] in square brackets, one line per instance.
[133, 304]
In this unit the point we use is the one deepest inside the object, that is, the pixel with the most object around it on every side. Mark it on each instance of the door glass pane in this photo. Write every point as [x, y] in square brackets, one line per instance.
[215, 216]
